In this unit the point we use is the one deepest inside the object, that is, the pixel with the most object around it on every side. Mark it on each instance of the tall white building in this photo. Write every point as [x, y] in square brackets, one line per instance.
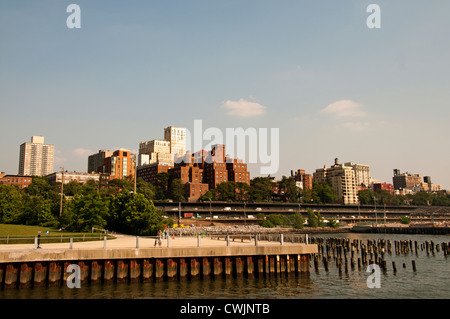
[345, 179]
[177, 138]
[362, 173]
[155, 152]
[163, 152]
[36, 157]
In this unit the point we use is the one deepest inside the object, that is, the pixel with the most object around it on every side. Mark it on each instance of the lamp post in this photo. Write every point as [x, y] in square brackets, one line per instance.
[135, 172]
[376, 216]
[210, 213]
[179, 214]
[245, 214]
[62, 190]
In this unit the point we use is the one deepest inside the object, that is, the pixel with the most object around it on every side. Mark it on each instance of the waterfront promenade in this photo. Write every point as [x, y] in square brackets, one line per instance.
[127, 241]
[133, 258]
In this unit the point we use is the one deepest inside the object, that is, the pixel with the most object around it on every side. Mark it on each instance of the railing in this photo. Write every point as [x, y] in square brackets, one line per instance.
[151, 241]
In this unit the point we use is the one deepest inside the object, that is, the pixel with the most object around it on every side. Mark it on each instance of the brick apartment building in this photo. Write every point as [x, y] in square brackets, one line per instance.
[148, 172]
[200, 171]
[300, 176]
[384, 186]
[20, 180]
[119, 165]
[237, 172]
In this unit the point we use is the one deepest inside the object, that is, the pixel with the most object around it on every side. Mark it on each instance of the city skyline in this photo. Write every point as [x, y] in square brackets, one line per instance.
[334, 88]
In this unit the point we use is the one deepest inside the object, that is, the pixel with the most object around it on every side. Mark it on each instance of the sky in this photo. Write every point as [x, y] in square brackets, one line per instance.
[334, 87]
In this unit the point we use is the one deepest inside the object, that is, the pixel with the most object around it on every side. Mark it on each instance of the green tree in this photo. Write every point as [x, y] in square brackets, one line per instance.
[332, 223]
[307, 196]
[209, 195]
[242, 191]
[38, 211]
[162, 185]
[441, 199]
[261, 189]
[133, 214]
[118, 185]
[422, 199]
[404, 220]
[176, 190]
[266, 223]
[145, 188]
[71, 188]
[226, 191]
[314, 219]
[322, 192]
[291, 191]
[366, 197]
[86, 211]
[11, 204]
[277, 219]
[297, 220]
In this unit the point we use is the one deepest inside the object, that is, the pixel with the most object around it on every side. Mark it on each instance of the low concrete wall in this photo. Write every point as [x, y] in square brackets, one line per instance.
[42, 267]
[98, 254]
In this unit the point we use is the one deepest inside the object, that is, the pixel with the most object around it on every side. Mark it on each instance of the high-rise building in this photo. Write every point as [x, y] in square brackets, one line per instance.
[406, 180]
[177, 138]
[155, 152]
[237, 171]
[362, 173]
[119, 165]
[342, 179]
[36, 157]
[95, 161]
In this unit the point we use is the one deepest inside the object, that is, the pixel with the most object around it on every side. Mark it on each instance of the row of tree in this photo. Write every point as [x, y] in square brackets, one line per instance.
[384, 197]
[117, 207]
[82, 207]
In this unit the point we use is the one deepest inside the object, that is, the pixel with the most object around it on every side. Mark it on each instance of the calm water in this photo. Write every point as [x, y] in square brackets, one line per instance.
[430, 281]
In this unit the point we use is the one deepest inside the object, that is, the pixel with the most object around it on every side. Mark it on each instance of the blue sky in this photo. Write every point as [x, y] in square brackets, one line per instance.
[333, 87]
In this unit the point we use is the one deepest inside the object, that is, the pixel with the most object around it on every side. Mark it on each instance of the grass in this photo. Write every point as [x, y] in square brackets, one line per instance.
[20, 234]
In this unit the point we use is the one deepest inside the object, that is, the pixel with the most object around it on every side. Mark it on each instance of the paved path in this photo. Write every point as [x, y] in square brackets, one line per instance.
[124, 241]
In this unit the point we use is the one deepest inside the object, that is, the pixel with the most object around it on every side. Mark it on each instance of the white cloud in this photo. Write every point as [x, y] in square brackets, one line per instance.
[82, 152]
[243, 108]
[344, 109]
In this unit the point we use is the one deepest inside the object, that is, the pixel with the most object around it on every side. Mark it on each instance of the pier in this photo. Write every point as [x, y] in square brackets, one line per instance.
[181, 259]
[387, 229]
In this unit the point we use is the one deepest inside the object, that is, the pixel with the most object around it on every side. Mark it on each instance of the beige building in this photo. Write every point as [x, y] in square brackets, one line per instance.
[164, 152]
[36, 157]
[362, 173]
[155, 152]
[342, 179]
[177, 138]
[406, 180]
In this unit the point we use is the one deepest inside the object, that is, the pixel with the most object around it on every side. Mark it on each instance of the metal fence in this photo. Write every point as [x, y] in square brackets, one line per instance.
[165, 240]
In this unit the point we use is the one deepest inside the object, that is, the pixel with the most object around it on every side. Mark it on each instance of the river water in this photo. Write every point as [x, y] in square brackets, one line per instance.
[431, 280]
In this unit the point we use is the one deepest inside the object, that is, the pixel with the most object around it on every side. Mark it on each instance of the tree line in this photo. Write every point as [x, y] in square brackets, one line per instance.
[82, 207]
[116, 206]
[296, 220]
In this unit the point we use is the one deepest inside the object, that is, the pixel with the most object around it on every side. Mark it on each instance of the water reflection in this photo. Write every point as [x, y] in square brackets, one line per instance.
[431, 280]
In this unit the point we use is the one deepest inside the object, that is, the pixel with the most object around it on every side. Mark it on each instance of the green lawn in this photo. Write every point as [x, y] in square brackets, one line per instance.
[10, 233]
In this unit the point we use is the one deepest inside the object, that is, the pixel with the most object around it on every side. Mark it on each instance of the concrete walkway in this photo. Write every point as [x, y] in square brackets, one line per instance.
[124, 241]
